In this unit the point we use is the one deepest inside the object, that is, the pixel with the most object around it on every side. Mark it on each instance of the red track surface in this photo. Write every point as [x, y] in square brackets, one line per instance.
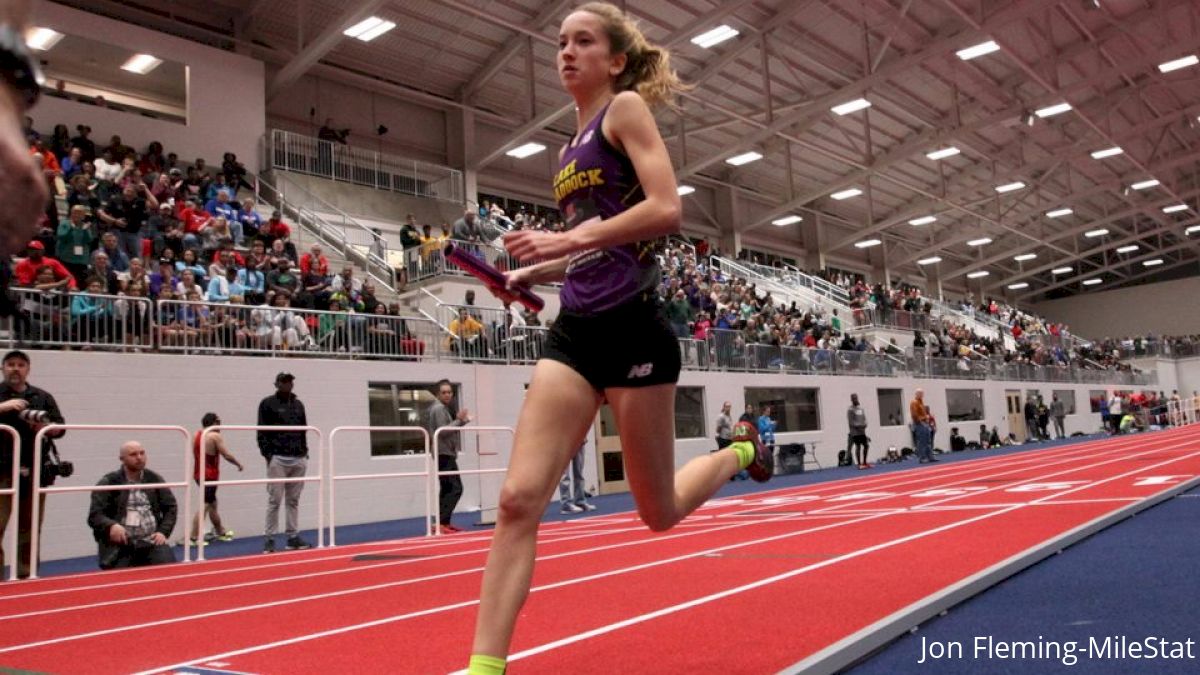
[608, 594]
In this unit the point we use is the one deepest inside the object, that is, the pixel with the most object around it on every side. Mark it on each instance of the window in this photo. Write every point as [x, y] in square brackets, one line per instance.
[689, 412]
[891, 407]
[400, 405]
[1067, 396]
[1095, 396]
[964, 405]
[793, 409]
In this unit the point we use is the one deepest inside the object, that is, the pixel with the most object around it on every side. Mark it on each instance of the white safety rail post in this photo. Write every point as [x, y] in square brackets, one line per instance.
[319, 478]
[14, 555]
[430, 469]
[437, 474]
[38, 490]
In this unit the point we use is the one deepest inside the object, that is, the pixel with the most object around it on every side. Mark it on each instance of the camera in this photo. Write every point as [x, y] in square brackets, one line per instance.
[35, 416]
[55, 467]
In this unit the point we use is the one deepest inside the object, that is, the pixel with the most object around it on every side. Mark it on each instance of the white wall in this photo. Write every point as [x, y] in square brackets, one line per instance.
[1188, 373]
[1141, 310]
[225, 106]
[178, 390]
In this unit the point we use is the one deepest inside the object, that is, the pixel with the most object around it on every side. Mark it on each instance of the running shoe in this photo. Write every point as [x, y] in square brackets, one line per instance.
[763, 466]
[269, 545]
[227, 535]
[297, 544]
[588, 506]
[571, 508]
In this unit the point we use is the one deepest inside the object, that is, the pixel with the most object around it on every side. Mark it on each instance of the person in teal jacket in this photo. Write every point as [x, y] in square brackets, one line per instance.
[92, 315]
[766, 428]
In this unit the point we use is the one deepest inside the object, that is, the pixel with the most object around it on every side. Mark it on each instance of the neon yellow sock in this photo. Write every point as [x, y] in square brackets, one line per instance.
[481, 664]
[745, 453]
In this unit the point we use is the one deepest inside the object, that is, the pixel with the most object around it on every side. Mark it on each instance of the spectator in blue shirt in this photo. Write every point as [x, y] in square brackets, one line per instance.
[250, 220]
[220, 207]
[766, 428]
[221, 288]
[72, 164]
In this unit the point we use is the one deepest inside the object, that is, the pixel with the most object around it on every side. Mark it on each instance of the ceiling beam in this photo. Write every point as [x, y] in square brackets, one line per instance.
[324, 43]
[1067, 280]
[496, 61]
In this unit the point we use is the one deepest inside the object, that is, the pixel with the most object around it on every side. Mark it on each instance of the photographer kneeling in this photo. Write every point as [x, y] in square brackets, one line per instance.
[27, 409]
[132, 526]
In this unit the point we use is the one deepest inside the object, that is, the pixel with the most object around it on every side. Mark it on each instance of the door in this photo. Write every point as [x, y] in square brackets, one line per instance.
[1016, 414]
[610, 465]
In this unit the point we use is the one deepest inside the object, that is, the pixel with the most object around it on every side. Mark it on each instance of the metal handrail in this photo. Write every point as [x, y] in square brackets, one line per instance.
[438, 473]
[427, 474]
[38, 490]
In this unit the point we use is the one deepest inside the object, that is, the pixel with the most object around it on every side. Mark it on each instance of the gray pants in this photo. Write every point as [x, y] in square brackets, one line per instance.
[1059, 431]
[574, 472]
[277, 491]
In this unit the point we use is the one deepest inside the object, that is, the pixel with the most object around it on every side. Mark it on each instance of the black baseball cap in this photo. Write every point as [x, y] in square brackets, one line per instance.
[16, 354]
[284, 377]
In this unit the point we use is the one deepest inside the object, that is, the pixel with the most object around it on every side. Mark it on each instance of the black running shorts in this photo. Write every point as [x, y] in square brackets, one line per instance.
[631, 345]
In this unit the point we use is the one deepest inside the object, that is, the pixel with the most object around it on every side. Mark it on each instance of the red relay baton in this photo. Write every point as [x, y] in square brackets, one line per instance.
[491, 276]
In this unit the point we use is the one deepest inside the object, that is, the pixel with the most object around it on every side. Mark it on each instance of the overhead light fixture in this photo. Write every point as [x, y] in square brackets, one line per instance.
[1146, 184]
[846, 194]
[980, 242]
[141, 64]
[369, 29]
[1009, 187]
[852, 106]
[1128, 249]
[1092, 234]
[787, 220]
[1051, 111]
[868, 243]
[978, 275]
[1062, 270]
[1024, 256]
[943, 153]
[1018, 286]
[1059, 213]
[978, 50]
[1107, 152]
[42, 39]
[930, 260]
[1153, 263]
[1092, 282]
[923, 220]
[526, 150]
[1175, 208]
[744, 158]
[685, 190]
[1177, 64]
[715, 36]
[1192, 230]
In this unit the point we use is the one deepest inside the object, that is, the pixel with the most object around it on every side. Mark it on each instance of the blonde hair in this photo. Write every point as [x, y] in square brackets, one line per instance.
[647, 66]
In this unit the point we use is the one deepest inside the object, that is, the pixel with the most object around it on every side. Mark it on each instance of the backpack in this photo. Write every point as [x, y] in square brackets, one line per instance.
[844, 458]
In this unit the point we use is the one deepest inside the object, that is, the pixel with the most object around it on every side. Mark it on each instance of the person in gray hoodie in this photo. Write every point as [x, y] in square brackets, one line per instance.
[856, 417]
[444, 413]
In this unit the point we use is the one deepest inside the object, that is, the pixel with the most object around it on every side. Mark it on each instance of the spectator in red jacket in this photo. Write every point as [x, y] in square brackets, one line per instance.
[25, 272]
[314, 259]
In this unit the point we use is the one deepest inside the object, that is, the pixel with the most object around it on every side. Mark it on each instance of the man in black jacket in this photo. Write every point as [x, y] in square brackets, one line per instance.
[20, 403]
[132, 526]
[286, 453]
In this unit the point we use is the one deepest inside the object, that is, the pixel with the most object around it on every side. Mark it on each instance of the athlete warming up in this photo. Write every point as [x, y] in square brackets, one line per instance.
[611, 340]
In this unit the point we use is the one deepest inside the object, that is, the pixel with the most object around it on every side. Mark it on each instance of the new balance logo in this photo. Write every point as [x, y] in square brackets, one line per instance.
[640, 371]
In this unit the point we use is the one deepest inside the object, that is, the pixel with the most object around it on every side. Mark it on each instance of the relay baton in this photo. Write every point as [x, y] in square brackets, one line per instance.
[491, 276]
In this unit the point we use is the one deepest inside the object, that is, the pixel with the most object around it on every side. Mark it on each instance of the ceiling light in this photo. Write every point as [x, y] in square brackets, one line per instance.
[853, 106]
[1062, 270]
[41, 39]
[978, 50]
[141, 64]
[527, 150]
[1017, 287]
[1092, 234]
[1153, 182]
[1059, 213]
[868, 243]
[1009, 187]
[685, 190]
[1107, 152]
[744, 158]
[846, 194]
[1024, 256]
[1092, 282]
[978, 275]
[787, 220]
[929, 261]
[943, 153]
[1177, 64]
[979, 242]
[1051, 111]
[1128, 249]
[715, 36]
[1175, 208]
[369, 29]
[1192, 230]
[1153, 263]
[923, 220]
